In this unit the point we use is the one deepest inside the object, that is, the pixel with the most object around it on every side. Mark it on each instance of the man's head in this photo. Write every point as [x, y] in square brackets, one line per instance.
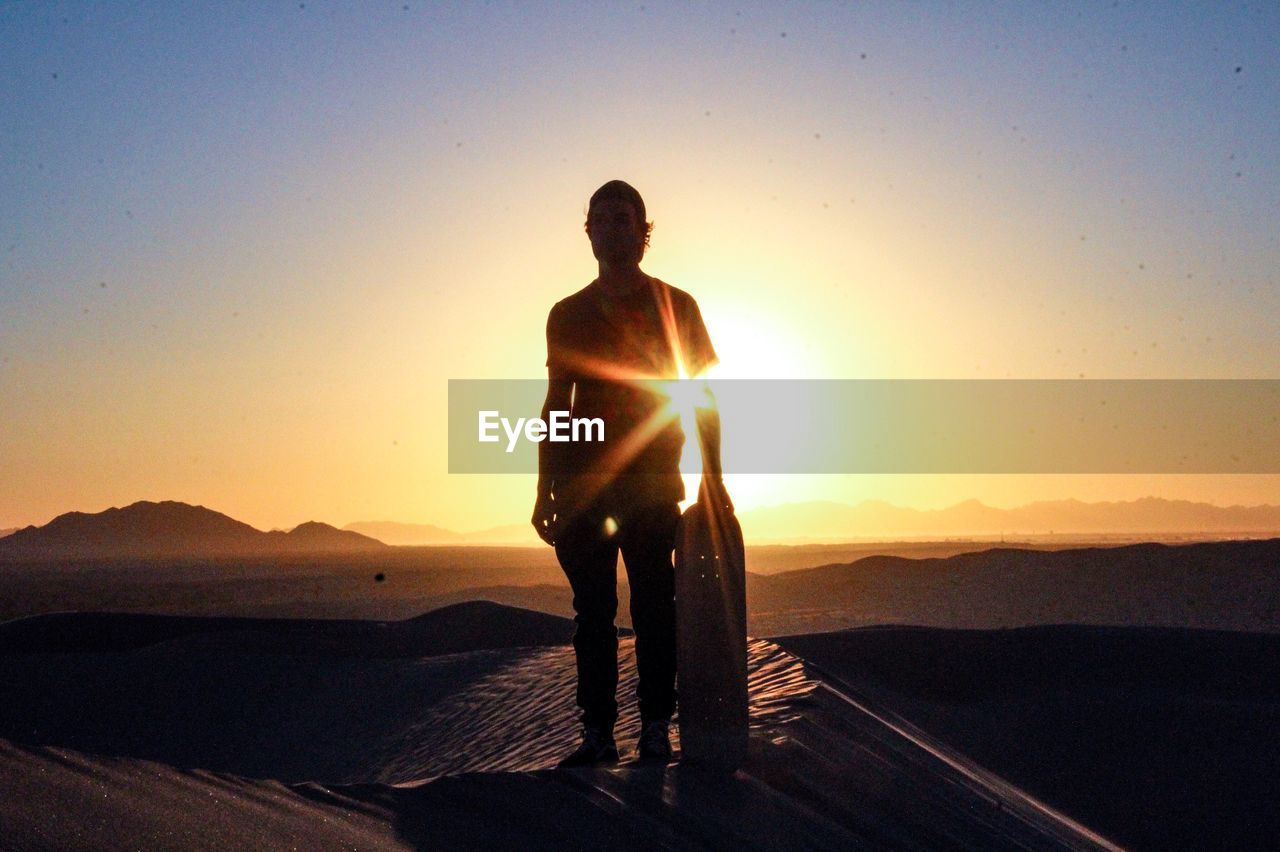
[616, 223]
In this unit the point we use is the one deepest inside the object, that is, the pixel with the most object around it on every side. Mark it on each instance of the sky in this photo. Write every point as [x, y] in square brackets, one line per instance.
[244, 246]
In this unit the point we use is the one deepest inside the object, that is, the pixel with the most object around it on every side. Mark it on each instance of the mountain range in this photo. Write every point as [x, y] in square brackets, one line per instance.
[394, 532]
[878, 519]
[170, 528]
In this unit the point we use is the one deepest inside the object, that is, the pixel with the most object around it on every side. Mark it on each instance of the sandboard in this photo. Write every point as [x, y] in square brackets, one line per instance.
[711, 635]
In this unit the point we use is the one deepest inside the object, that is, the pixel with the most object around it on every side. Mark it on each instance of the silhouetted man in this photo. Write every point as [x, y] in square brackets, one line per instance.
[596, 499]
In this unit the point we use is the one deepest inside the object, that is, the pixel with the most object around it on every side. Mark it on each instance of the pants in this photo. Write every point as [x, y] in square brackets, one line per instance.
[588, 553]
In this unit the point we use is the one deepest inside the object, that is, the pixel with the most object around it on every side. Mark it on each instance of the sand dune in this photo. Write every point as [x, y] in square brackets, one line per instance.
[1228, 585]
[471, 626]
[342, 702]
[152, 738]
[1161, 738]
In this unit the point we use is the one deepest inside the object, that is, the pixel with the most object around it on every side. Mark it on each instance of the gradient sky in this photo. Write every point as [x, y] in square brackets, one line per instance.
[244, 245]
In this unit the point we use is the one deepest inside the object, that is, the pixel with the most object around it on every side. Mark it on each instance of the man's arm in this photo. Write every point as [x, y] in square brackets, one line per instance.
[559, 398]
[559, 394]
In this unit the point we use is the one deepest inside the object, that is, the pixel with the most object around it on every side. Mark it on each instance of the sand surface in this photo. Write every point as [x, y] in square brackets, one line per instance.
[1160, 738]
[122, 732]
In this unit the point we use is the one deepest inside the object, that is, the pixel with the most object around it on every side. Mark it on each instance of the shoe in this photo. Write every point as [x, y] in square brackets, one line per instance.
[597, 748]
[655, 741]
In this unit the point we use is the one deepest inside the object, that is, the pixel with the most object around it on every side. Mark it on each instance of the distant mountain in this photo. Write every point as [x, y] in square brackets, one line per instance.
[7, 531]
[169, 528]
[392, 532]
[422, 535]
[876, 518]
[509, 534]
[316, 537]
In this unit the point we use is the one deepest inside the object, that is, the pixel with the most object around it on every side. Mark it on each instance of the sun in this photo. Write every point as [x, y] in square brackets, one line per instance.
[754, 347]
[749, 347]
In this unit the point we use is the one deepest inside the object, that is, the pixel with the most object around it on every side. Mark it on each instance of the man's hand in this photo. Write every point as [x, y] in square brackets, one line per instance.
[545, 519]
[559, 398]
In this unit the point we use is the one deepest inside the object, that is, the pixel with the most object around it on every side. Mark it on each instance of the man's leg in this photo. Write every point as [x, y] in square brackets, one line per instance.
[589, 559]
[648, 536]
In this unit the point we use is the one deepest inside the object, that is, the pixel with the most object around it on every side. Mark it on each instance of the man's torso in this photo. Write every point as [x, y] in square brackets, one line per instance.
[614, 348]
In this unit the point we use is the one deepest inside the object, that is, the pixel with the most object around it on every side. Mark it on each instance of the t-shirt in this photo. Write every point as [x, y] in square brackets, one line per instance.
[612, 348]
